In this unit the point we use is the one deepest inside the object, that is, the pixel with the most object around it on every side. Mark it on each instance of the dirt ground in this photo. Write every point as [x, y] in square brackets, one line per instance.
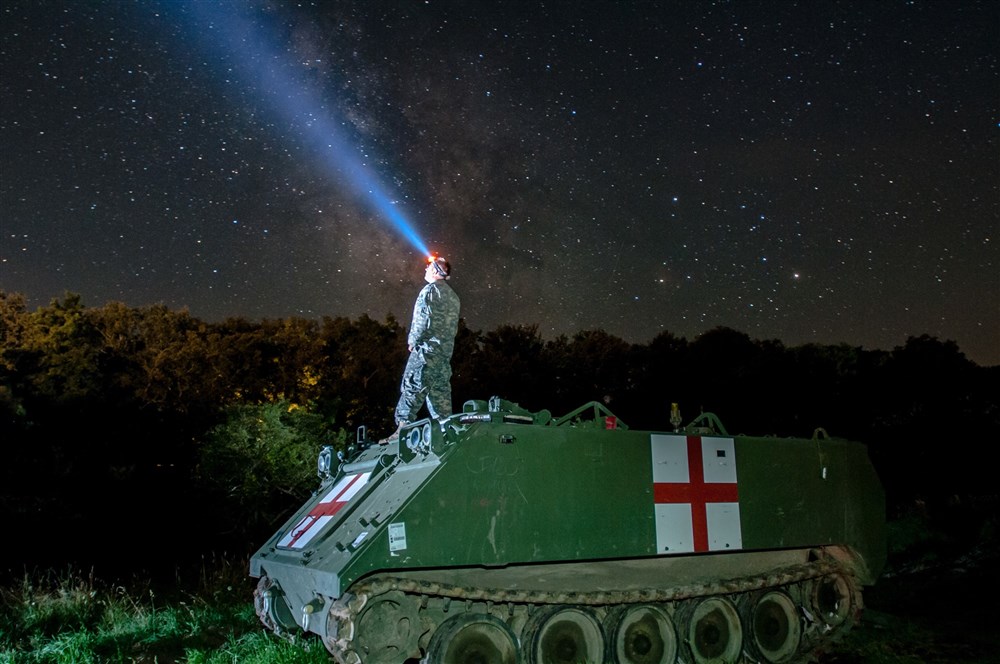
[945, 613]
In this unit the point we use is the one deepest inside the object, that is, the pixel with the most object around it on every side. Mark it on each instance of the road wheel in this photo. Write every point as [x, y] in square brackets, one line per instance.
[711, 630]
[473, 638]
[644, 635]
[773, 625]
[564, 635]
[388, 629]
[832, 599]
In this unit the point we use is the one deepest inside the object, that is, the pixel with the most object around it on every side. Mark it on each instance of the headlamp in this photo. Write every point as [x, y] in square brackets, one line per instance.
[433, 260]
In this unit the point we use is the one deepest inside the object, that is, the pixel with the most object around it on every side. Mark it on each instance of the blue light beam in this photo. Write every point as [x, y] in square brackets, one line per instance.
[294, 102]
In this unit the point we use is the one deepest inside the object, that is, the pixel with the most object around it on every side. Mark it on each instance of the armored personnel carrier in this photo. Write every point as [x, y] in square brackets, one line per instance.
[503, 536]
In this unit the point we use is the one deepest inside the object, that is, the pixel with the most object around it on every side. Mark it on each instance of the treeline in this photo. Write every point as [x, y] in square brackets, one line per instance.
[140, 434]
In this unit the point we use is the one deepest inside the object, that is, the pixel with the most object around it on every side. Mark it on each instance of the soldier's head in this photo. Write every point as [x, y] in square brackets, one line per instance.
[437, 269]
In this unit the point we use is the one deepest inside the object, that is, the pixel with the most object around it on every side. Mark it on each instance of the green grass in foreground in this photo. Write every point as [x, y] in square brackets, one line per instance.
[71, 618]
[929, 608]
[48, 618]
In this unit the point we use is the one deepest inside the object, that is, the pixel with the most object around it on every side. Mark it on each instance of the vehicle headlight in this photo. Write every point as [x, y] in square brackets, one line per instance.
[419, 439]
[324, 462]
[414, 439]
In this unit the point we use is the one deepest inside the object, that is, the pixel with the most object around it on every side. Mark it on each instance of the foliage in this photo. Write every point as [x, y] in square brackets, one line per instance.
[361, 367]
[71, 618]
[261, 648]
[262, 459]
[186, 430]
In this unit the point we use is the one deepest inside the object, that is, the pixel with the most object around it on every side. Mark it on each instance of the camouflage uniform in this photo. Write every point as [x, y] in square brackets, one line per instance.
[428, 371]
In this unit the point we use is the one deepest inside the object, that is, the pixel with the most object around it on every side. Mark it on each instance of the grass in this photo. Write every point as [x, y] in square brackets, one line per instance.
[931, 607]
[70, 617]
[73, 618]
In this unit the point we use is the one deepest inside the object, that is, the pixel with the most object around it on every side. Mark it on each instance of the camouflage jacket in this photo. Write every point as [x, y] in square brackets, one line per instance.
[435, 320]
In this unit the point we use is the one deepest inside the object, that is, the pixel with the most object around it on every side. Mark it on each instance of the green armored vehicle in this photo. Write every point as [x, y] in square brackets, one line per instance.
[509, 537]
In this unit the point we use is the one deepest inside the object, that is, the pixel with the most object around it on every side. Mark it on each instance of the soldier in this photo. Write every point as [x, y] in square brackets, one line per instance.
[431, 341]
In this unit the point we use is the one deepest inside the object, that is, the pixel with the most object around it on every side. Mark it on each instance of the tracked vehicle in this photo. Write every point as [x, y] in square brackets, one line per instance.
[503, 536]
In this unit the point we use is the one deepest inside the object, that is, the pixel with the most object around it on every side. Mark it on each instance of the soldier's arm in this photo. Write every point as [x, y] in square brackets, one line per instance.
[420, 329]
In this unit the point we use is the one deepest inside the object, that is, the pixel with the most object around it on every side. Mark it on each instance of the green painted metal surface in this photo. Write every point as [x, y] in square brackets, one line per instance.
[500, 486]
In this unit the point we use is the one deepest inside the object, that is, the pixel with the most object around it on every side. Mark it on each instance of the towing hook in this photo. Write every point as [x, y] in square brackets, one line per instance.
[308, 609]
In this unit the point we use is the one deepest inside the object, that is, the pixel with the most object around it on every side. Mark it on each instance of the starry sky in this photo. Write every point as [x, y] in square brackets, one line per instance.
[805, 171]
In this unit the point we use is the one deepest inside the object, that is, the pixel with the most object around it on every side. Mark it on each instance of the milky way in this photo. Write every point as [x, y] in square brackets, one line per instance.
[811, 172]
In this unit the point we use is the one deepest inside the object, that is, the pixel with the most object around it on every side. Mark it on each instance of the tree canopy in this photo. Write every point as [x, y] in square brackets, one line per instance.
[113, 403]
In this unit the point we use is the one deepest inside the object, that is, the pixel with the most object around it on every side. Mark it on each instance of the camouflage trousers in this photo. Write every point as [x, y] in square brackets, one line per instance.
[426, 377]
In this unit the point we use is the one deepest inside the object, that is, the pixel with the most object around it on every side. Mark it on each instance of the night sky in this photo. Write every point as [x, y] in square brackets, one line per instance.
[815, 171]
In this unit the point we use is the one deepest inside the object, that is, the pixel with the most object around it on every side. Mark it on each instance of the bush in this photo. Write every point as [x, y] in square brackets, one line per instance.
[261, 462]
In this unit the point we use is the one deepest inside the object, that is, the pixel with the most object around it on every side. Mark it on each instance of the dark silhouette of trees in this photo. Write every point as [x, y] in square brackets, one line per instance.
[154, 418]
[360, 370]
[936, 419]
[507, 360]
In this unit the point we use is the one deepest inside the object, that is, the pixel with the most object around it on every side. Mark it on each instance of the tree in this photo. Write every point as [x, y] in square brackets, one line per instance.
[260, 463]
[13, 324]
[361, 370]
[63, 346]
[661, 377]
[930, 403]
[718, 377]
[510, 363]
[591, 366]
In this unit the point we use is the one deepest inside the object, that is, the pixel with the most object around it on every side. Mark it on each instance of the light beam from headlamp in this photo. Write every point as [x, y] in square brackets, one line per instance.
[293, 101]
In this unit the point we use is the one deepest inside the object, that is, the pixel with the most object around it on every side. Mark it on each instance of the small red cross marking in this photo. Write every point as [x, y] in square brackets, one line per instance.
[324, 508]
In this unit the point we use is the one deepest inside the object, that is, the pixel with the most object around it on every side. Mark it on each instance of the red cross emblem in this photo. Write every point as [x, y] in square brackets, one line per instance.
[672, 455]
[324, 511]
